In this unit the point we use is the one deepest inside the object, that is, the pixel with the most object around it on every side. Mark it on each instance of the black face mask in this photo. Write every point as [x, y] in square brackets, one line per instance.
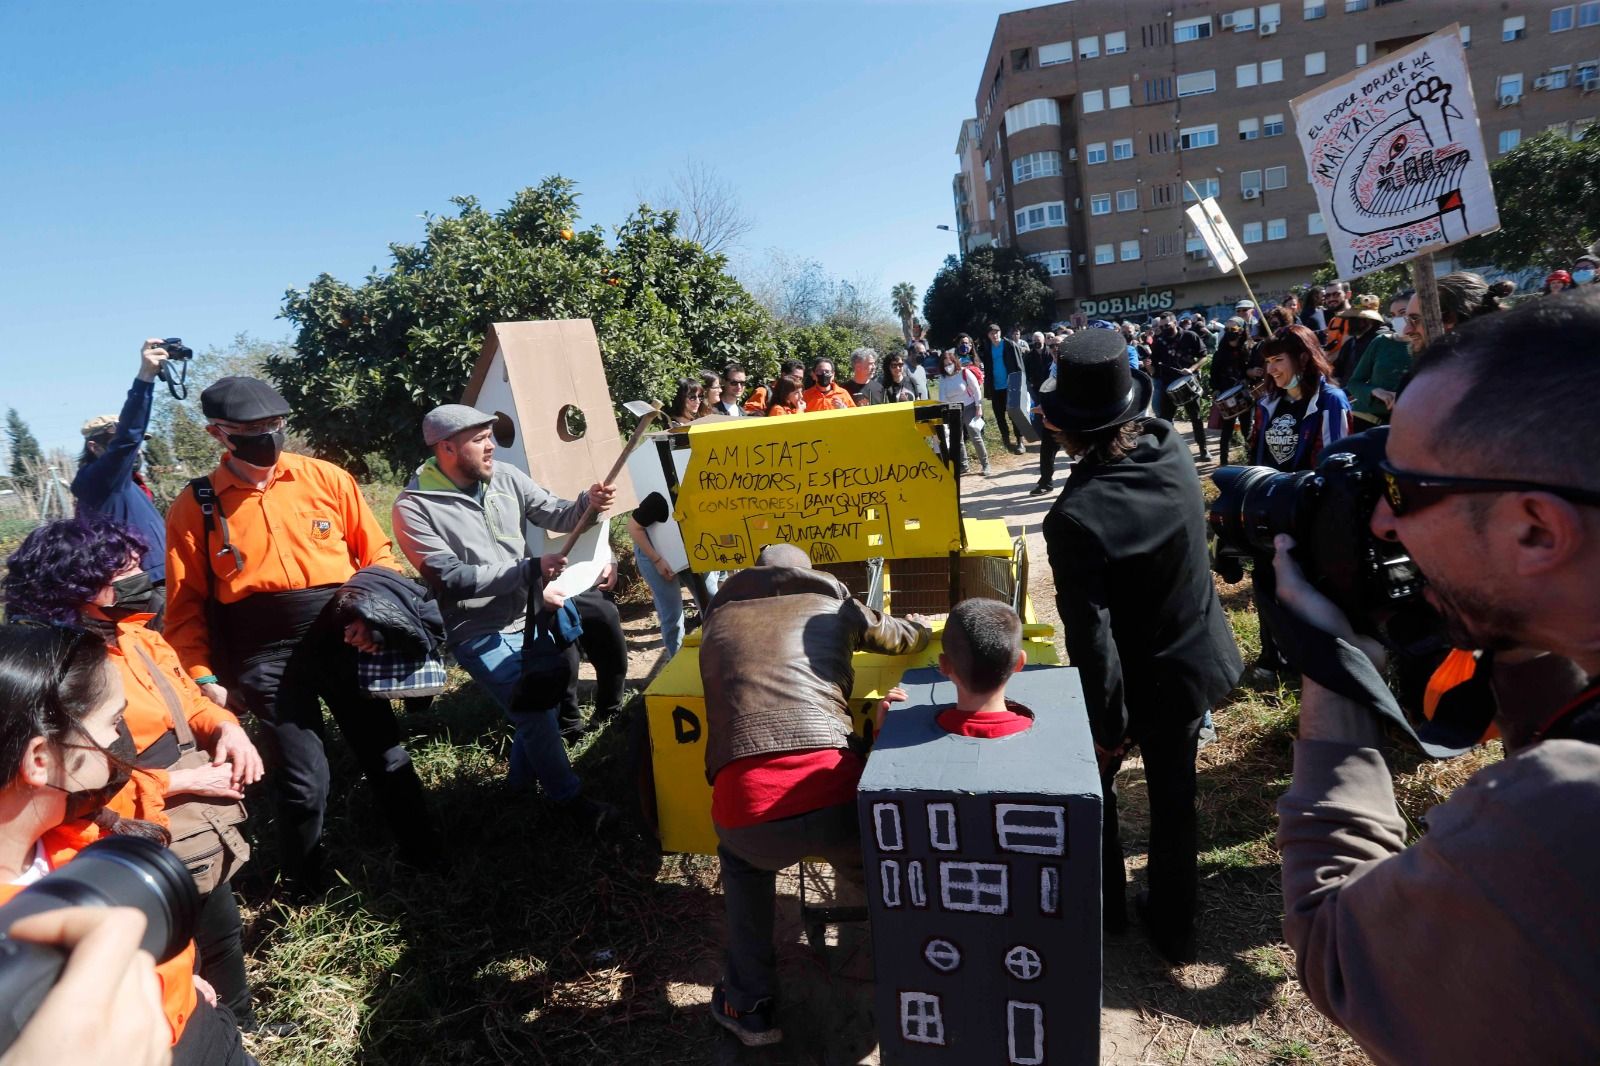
[85, 803]
[130, 595]
[824, 380]
[258, 449]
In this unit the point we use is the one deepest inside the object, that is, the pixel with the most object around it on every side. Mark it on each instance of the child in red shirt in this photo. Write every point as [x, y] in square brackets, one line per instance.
[982, 649]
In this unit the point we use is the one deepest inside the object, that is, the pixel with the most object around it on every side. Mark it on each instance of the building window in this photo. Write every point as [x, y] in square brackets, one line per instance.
[1033, 828]
[1245, 75]
[1316, 9]
[1314, 224]
[1196, 29]
[1269, 13]
[1129, 252]
[1057, 263]
[1561, 19]
[1100, 204]
[1514, 28]
[991, 210]
[1020, 59]
[1159, 142]
[1250, 182]
[1249, 129]
[1589, 13]
[1094, 100]
[1252, 233]
[1041, 216]
[1024, 1033]
[942, 827]
[1051, 54]
[886, 820]
[1271, 71]
[1240, 21]
[1119, 96]
[1116, 43]
[1204, 186]
[1558, 77]
[1509, 139]
[942, 955]
[1272, 126]
[889, 875]
[914, 885]
[1361, 55]
[921, 1019]
[1127, 199]
[1035, 165]
[1163, 194]
[1122, 149]
[1509, 85]
[1352, 6]
[1095, 153]
[988, 174]
[1198, 136]
[1316, 63]
[1031, 113]
[1277, 177]
[1049, 889]
[1103, 254]
[975, 886]
[1277, 229]
[1198, 83]
[1195, 245]
[1088, 47]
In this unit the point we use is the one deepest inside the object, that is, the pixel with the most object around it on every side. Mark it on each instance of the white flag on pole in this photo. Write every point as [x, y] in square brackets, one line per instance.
[1218, 235]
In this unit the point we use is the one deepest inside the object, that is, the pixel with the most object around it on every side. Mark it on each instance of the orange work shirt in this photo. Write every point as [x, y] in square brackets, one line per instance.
[309, 527]
[61, 846]
[149, 715]
[831, 398]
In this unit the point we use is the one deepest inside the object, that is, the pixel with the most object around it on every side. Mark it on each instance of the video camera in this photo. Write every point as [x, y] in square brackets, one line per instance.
[115, 871]
[1327, 511]
[179, 352]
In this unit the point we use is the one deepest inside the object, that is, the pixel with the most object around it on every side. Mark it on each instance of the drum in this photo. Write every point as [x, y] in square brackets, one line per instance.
[1234, 402]
[1184, 390]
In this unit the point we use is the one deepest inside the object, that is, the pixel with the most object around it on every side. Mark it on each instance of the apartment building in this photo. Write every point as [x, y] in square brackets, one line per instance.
[1099, 120]
[973, 228]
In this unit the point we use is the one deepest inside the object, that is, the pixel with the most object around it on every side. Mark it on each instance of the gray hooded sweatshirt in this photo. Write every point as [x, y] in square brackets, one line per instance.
[471, 548]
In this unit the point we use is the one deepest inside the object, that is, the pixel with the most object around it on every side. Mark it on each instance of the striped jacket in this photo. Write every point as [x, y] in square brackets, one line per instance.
[1326, 419]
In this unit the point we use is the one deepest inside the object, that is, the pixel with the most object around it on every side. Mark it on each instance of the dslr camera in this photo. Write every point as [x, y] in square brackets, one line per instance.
[177, 383]
[1327, 511]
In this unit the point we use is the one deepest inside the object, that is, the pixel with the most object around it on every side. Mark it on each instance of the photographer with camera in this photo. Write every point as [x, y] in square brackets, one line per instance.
[1477, 943]
[64, 752]
[108, 480]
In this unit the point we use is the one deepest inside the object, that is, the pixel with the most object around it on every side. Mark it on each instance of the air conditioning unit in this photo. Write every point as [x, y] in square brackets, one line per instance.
[1227, 20]
[1511, 100]
[1268, 29]
[1082, 258]
[1590, 84]
[1072, 155]
[1543, 83]
[1077, 203]
[1252, 194]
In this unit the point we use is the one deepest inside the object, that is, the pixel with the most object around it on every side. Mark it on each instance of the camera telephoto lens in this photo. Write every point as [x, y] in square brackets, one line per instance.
[1256, 503]
[116, 871]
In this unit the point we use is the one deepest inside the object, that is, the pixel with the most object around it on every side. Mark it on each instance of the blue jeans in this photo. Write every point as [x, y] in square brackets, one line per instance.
[495, 661]
[668, 597]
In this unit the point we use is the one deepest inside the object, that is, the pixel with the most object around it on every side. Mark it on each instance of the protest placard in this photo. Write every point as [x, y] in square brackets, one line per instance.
[1396, 155]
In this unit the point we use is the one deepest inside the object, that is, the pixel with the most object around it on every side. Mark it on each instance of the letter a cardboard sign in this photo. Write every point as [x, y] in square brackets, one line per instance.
[1396, 155]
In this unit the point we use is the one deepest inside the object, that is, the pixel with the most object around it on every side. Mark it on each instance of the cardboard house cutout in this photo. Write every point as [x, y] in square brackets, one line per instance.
[982, 862]
[546, 386]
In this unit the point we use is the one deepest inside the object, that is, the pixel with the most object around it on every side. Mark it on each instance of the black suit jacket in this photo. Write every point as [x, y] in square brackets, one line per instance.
[1143, 625]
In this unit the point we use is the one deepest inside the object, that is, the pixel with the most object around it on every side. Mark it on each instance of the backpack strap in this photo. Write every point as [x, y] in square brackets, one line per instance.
[169, 696]
[211, 512]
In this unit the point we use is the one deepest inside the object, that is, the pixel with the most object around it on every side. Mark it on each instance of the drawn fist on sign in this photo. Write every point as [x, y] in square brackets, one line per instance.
[1429, 103]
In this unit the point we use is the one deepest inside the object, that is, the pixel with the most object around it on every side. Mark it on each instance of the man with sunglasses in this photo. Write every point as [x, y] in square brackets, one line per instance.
[734, 381]
[1479, 942]
[255, 552]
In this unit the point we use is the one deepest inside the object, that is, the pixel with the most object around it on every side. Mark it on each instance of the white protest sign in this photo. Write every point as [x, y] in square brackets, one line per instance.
[1396, 155]
[1218, 235]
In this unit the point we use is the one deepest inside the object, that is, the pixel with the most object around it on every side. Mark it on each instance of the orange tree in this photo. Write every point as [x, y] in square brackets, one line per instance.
[369, 361]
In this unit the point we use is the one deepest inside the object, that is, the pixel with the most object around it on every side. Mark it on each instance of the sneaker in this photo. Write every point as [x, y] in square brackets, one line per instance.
[985, 470]
[1262, 677]
[753, 1027]
[1015, 449]
[1208, 735]
[1040, 489]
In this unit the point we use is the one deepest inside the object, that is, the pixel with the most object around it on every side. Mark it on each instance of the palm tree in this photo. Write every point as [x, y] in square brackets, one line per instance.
[904, 298]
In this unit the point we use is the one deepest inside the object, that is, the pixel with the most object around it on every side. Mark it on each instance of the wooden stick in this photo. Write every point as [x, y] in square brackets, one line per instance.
[1427, 286]
[591, 513]
[1264, 323]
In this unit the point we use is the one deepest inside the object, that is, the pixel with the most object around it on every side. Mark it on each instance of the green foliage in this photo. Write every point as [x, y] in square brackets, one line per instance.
[1549, 198]
[24, 450]
[821, 341]
[1380, 283]
[989, 285]
[903, 298]
[370, 361]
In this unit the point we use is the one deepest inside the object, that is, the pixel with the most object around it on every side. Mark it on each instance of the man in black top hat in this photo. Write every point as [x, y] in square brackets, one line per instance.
[1127, 546]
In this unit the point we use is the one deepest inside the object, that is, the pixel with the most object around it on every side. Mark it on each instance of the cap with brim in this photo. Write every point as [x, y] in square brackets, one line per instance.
[1245, 304]
[1095, 388]
[1365, 313]
[242, 400]
[99, 425]
[448, 419]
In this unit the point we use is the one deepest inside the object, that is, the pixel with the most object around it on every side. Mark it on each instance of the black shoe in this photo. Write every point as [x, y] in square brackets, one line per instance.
[589, 815]
[754, 1027]
[1176, 948]
[1040, 489]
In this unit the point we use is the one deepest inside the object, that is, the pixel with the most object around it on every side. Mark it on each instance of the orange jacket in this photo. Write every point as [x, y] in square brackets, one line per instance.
[149, 716]
[61, 846]
[309, 527]
[831, 398]
[1457, 668]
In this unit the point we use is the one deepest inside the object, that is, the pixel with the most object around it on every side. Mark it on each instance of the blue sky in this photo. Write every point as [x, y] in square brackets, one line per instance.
[170, 169]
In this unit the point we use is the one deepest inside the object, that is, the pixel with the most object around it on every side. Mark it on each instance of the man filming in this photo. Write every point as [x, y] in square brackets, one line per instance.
[108, 480]
[1478, 943]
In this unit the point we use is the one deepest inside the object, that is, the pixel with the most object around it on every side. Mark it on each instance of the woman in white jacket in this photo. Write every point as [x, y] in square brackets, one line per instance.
[958, 384]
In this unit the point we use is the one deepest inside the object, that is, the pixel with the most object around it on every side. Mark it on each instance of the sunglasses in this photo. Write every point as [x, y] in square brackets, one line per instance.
[1410, 492]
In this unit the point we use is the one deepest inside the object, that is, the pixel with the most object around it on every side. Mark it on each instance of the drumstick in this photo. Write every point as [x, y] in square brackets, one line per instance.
[590, 512]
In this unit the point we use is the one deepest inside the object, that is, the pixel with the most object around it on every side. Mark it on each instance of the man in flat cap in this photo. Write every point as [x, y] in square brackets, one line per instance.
[108, 479]
[255, 552]
[460, 522]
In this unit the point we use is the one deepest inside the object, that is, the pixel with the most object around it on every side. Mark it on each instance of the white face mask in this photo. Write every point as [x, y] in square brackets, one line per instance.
[1398, 322]
[1293, 383]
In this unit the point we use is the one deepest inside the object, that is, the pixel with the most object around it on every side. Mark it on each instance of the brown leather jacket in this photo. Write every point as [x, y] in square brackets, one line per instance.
[775, 662]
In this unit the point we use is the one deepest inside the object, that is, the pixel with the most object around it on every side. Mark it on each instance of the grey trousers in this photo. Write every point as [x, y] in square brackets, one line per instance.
[751, 858]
